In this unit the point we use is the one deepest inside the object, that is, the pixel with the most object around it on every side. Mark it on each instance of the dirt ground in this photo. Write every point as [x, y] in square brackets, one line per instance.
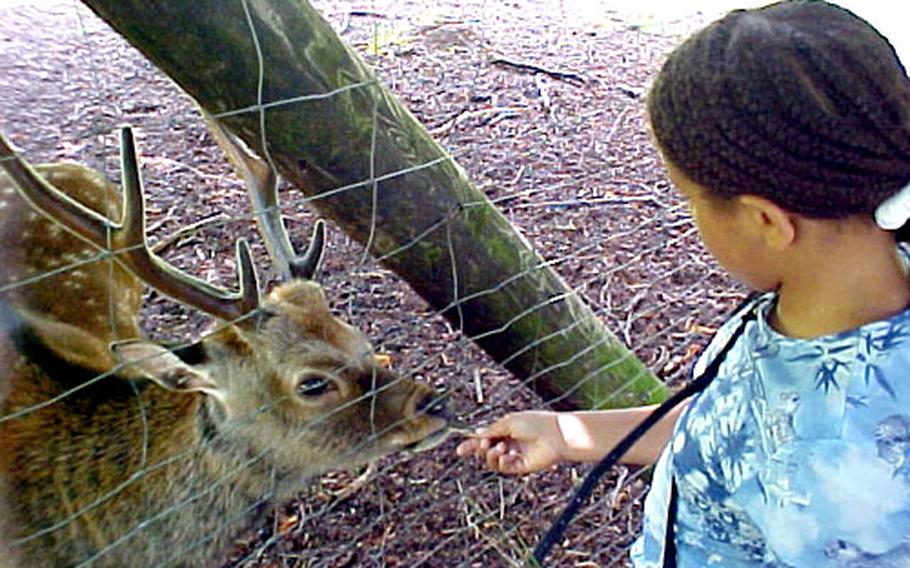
[544, 109]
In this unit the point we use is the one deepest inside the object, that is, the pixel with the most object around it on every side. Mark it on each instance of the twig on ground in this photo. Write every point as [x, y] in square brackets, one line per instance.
[574, 78]
[615, 494]
[368, 14]
[359, 483]
[168, 216]
[478, 387]
[168, 241]
[499, 113]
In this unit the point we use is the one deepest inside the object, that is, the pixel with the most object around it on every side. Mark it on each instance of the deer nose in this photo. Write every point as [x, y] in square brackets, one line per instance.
[434, 403]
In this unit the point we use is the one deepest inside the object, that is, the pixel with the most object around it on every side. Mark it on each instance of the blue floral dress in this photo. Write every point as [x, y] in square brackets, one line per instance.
[796, 455]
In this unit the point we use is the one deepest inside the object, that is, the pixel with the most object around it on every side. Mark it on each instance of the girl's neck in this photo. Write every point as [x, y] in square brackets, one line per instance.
[842, 285]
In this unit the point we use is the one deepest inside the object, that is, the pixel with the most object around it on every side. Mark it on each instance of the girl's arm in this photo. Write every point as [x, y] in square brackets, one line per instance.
[589, 435]
[523, 442]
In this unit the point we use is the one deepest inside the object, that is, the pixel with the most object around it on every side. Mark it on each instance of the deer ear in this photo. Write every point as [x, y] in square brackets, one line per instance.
[231, 339]
[72, 344]
[159, 364]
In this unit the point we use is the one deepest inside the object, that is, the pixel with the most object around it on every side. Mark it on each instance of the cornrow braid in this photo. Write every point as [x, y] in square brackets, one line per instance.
[800, 102]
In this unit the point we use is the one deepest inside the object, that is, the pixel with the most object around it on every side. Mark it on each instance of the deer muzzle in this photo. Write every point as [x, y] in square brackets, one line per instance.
[428, 419]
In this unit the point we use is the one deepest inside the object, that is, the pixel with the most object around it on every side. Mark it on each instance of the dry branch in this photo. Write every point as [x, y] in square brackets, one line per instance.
[567, 76]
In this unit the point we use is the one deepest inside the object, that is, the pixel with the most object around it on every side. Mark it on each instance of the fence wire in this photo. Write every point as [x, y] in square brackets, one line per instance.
[545, 113]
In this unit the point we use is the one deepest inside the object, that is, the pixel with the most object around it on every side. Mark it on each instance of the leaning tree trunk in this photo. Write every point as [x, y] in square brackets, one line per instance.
[365, 161]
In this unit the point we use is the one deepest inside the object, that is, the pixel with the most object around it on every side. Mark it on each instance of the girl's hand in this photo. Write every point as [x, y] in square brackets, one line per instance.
[518, 443]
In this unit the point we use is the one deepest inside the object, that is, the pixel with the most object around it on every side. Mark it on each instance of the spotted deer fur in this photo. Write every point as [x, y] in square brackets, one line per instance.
[117, 451]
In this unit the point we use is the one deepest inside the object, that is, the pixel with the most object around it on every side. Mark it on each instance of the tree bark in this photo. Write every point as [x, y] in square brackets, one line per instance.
[338, 135]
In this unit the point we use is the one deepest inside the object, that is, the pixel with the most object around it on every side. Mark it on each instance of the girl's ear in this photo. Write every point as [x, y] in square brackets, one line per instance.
[776, 226]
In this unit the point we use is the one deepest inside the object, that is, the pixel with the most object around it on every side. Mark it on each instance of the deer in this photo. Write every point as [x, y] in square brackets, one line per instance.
[116, 450]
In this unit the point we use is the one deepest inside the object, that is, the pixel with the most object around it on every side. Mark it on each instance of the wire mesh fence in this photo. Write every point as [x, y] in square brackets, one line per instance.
[545, 113]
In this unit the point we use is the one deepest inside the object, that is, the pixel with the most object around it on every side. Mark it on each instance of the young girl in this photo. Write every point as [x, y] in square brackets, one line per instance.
[787, 130]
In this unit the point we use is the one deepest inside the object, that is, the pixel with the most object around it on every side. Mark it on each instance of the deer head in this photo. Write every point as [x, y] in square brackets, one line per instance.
[281, 390]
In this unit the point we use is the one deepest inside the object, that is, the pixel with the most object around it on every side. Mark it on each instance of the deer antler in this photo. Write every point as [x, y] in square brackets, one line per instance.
[127, 240]
[262, 186]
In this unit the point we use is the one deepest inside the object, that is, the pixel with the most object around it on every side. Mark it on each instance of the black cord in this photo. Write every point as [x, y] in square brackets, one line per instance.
[607, 462]
[611, 459]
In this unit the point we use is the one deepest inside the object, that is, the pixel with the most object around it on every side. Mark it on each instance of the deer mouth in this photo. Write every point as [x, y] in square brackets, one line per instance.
[439, 436]
[429, 442]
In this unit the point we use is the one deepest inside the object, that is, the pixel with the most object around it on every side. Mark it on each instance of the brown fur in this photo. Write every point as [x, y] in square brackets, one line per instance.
[165, 461]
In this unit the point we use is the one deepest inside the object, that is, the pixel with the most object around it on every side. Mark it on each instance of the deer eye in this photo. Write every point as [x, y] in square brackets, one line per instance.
[314, 385]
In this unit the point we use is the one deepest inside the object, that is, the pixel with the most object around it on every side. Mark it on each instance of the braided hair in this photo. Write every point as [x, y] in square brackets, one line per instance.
[801, 102]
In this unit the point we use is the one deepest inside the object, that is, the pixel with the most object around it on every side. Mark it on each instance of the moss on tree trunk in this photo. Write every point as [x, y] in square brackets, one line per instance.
[342, 138]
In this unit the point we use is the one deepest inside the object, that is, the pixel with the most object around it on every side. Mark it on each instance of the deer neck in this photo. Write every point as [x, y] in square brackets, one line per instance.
[158, 465]
[245, 469]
